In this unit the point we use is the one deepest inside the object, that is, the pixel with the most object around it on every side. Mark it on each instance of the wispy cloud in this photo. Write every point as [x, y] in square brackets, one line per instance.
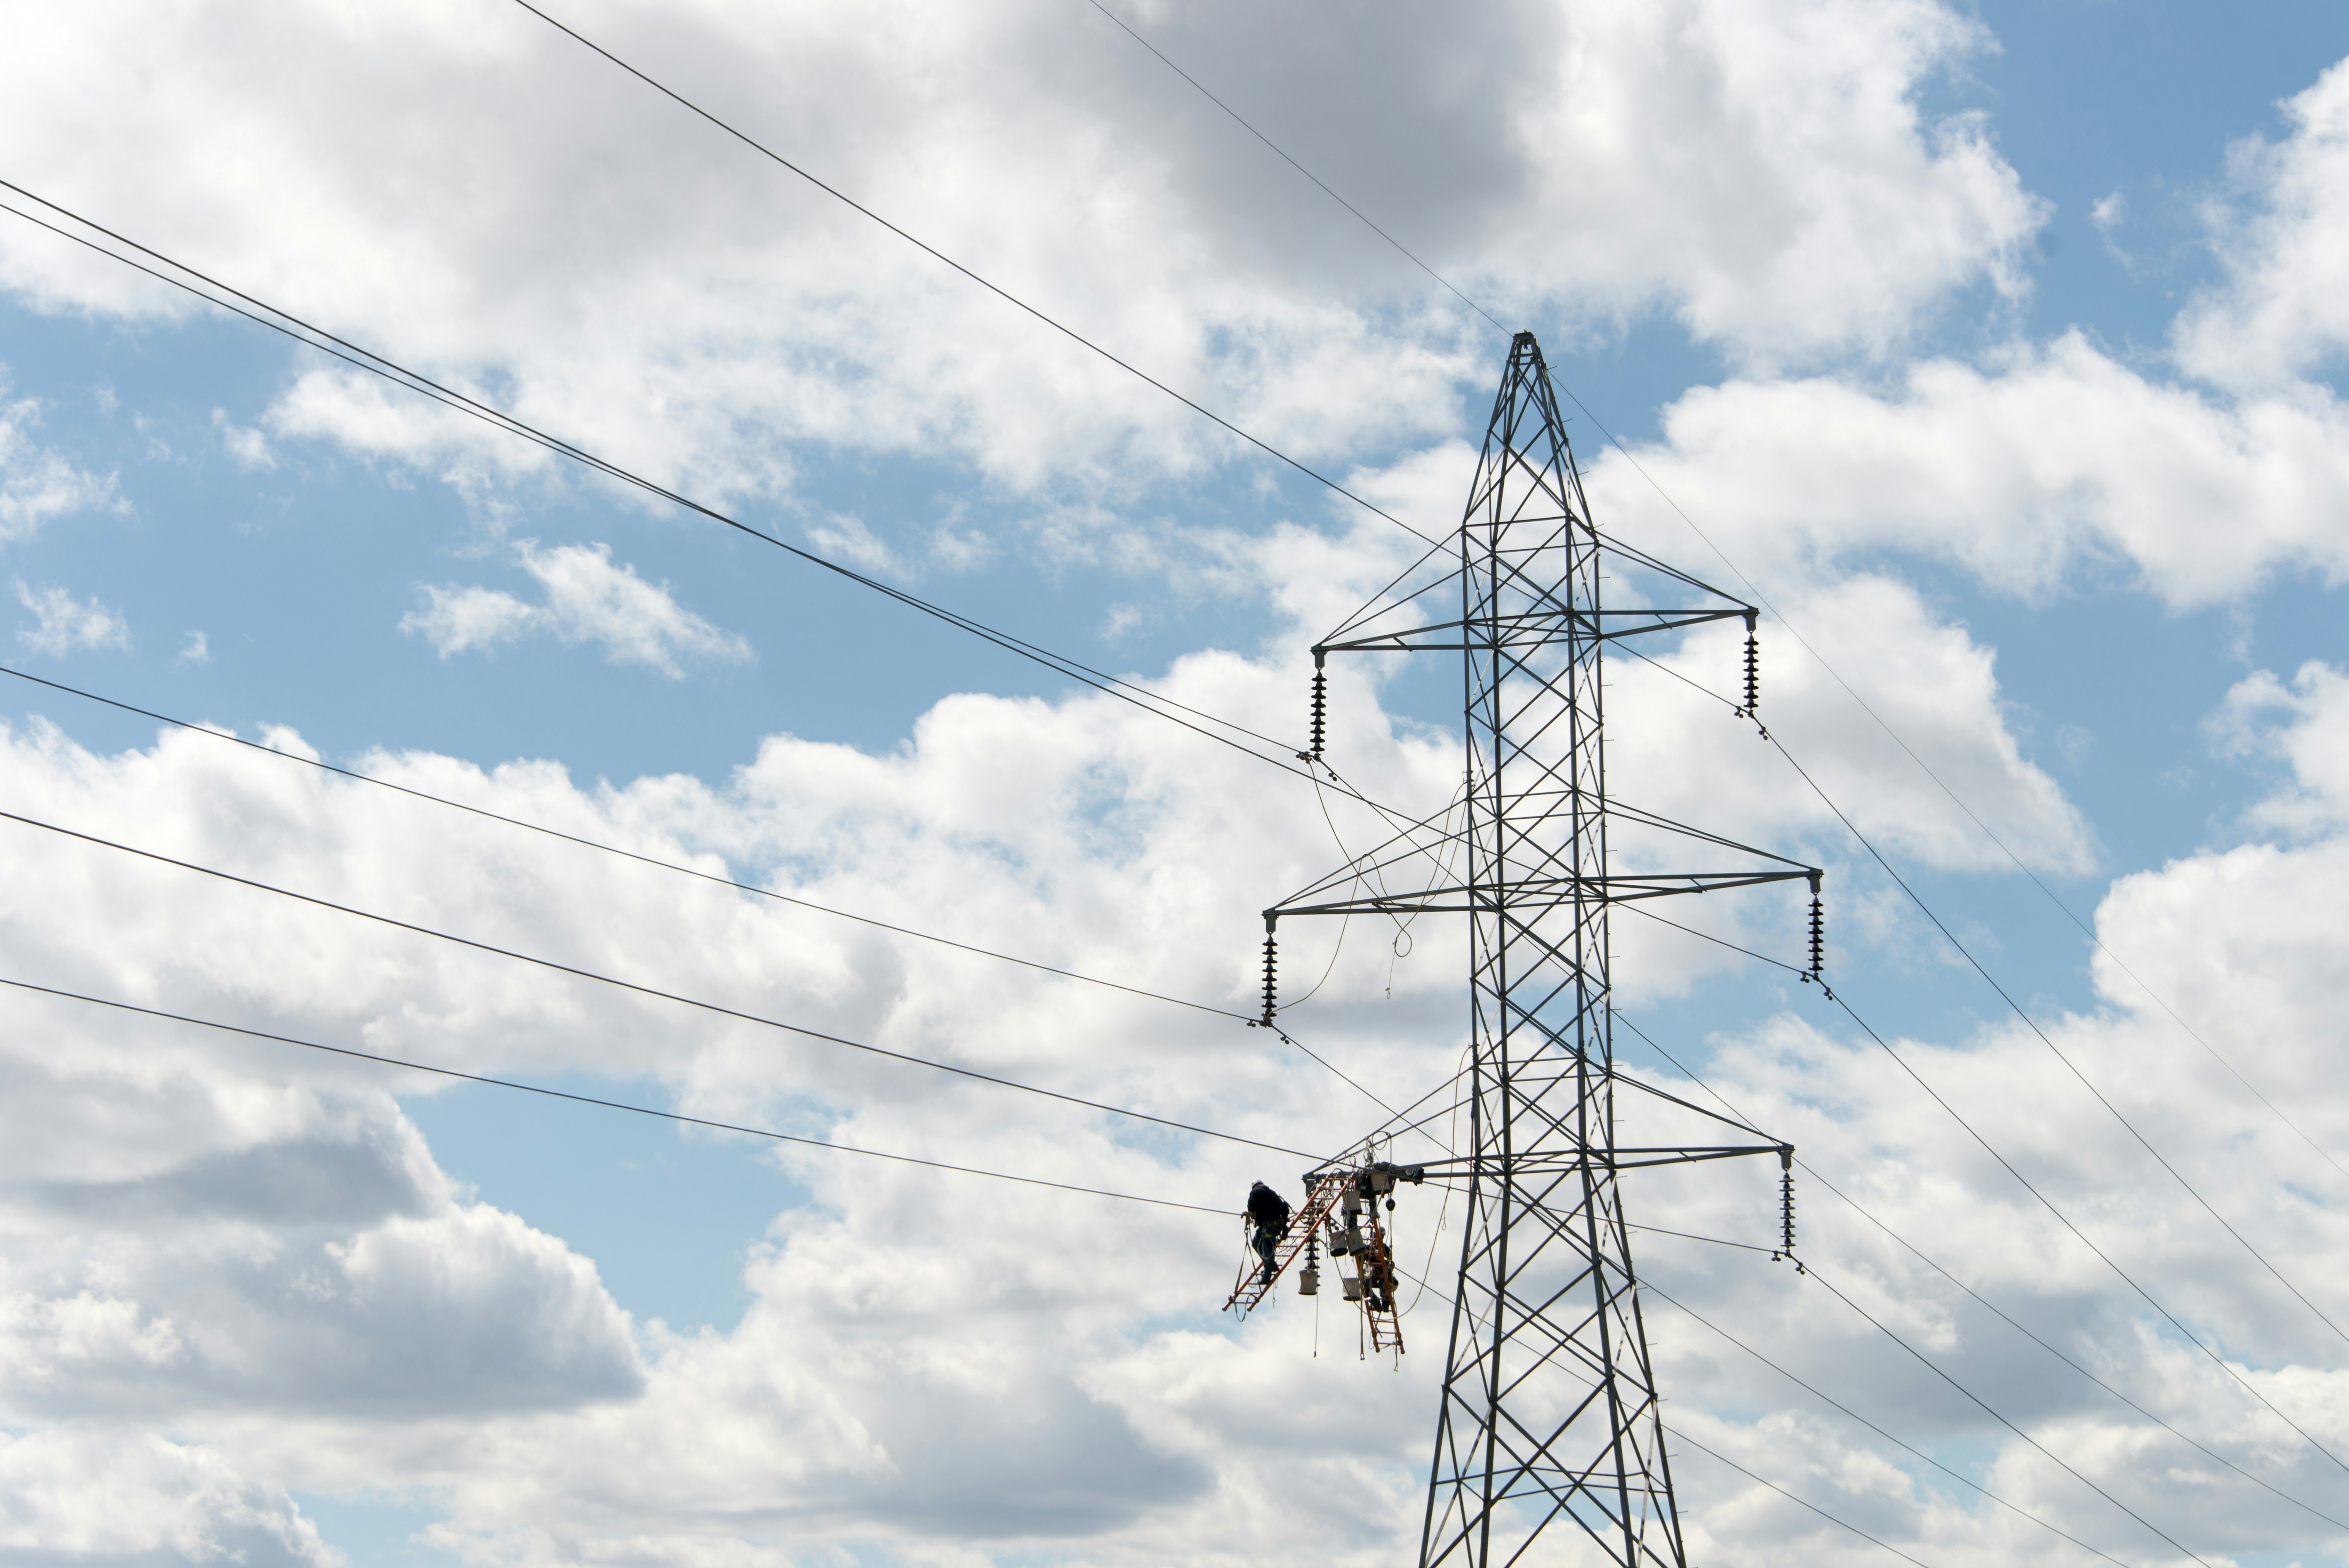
[66, 624]
[587, 599]
[845, 536]
[39, 483]
[249, 449]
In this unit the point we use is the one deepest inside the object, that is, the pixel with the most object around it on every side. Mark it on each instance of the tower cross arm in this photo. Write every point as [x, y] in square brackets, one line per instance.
[1531, 628]
[1527, 894]
[1541, 1161]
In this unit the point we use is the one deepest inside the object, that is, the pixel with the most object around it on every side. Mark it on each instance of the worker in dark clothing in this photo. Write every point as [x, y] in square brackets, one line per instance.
[1267, 1213]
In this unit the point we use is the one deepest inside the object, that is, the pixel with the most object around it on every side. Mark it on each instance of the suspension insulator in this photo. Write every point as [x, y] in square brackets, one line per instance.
[1753, 668]
[1818, 932]
[1320, 705]
[1786, 1211]
[1271, 980]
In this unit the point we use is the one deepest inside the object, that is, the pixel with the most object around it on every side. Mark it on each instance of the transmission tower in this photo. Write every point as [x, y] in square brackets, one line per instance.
[1550, 1429]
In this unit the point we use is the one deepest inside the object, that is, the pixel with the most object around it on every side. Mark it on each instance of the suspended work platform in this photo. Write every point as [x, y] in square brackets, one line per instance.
[1343, 1215]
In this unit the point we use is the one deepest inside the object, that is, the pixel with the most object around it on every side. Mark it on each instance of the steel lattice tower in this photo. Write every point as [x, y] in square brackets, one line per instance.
[1550, 1415]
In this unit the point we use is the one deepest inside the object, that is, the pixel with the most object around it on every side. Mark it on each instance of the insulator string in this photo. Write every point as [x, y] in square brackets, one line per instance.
[1787, 1207]
[1818, 934]
[1320, 707]
[1271, 980]
[1753, 669]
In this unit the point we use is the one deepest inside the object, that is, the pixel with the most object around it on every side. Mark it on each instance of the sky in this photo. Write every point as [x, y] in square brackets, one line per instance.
[1996, 350]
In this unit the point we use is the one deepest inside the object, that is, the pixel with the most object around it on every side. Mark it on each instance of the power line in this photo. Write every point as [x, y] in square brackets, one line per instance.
[653, 992]
[1651, 1288]
[1452, 1184]
[1284, 157]
[2196, 1339]
[2027, 1019]
[1285, 1037]
[2057, 1051]
[1109, 684]
[624, 854]
[1971, 816]
[290, 326]
[2208, 1452]
[1692, 1236]
[1720, 942]
[773, 1136]
[390, 370]
[830, 190]
[767, 1133]
[1426, 1289]
[2035, 1028]
[1790, 1497]
[1813, 1273]
[1341, 491]
[2060, 1216]
[2045, 1202]
[1792, 630]
[1067, 331]
[2033, 1025]
[1338, 490]
[606, 1104]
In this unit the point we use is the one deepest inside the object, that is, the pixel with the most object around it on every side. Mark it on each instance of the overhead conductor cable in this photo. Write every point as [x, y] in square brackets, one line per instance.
[286, 323]
[650, 991]
[606, 1104]
[1753, 654]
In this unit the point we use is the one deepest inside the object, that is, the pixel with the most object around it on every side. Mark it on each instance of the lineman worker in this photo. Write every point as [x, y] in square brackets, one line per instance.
[1378, 1278]
[1267, 1213]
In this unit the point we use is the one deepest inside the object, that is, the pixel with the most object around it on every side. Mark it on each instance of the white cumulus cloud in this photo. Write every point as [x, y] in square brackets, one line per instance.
[249, 448]
[64, 623]
[37, 483]
[251, 1246]
[100, 1496]
[2284, 309]
[234, 1271]
[587, 598]
[613, 269]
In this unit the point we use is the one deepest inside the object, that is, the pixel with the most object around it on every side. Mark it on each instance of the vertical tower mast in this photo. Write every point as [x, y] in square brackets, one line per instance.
[1549, 1403]
[1550, 1429]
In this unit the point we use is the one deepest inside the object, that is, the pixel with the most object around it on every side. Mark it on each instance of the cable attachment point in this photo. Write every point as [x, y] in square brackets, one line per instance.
[1818, 934]
[1753, 668]
[1271, 980]
[1320, 702]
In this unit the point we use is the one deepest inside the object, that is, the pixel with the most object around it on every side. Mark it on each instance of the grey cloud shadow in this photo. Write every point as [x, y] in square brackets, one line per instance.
[303, 1181]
